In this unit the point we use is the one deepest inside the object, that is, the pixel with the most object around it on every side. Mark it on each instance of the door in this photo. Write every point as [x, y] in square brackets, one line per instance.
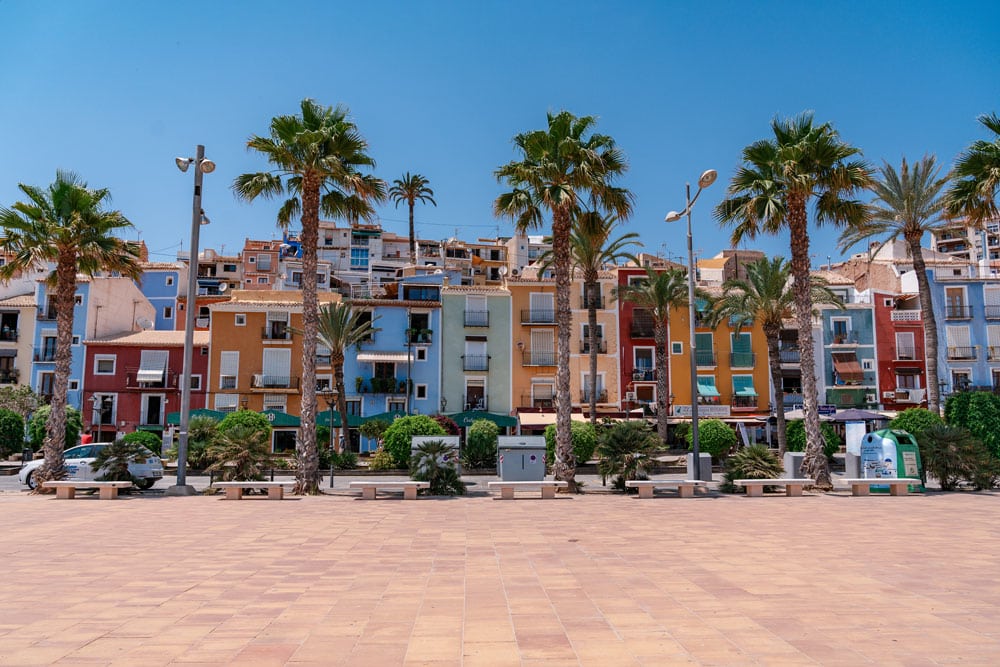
[277, 367]
[543, 348]
[904, 345]
[475, 395]
[152, 410]
[543, 307]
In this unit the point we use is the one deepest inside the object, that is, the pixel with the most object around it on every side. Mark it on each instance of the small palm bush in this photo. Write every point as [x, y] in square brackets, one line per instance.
[625, 451]
[381, 460]
[953, 455]
[753, 462]
[241, 453]
[480, 449]
[113, 461]
[202, 432]
[434, 462]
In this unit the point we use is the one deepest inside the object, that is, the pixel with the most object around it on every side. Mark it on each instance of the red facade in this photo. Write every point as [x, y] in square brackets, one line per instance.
[638, 362]
[899, 339]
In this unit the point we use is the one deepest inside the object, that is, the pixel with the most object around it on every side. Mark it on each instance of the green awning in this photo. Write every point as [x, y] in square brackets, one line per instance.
[149, 427]
[706, 386]
[465, 419]
[385, 416]
[174, 418]
[280, 419]
[743, 385]
[323, 419]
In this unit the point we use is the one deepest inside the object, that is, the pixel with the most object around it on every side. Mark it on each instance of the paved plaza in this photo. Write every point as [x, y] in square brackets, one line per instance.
[595, 579]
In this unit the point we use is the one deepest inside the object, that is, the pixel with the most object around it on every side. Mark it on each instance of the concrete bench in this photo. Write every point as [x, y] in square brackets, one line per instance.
[898, 486]
[67, 489]
[755, 487]
[548, 487]
[368, 488]
[685, 487]
[235, 490]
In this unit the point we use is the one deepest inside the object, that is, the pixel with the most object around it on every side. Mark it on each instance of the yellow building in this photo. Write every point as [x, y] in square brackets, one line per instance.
[608, 372]
[533, 345]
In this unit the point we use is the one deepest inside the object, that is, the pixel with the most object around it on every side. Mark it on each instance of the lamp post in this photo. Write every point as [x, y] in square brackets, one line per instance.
[330, 396]
[707, 178]
[202, 166]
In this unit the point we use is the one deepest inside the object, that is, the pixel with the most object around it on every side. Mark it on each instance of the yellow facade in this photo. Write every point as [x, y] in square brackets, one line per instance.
[608, 371]
[534, 343]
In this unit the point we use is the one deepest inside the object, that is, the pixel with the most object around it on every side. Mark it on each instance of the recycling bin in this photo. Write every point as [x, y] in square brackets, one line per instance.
[521, 458]
[891, 453]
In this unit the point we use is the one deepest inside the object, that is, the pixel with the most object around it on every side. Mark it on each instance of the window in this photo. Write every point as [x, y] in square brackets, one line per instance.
[226, 402]
[676, 347]
[324, 383]
[78, 299]
[104, 364]
[322, 355]
[867, 364]
[48, 352]
[395, 405]
[263, 262]
[240, 319]
[296, 278]
[354, 407]
[169, 281]
[204, 351]
[904, 345]
[229, 366]
[841, 328]
[262, 280]
[643, 364]
[76, 340]
[359, 257]
[421, 354]
[887, 303]
[168, 313]
[421, 391]
[74, 385]
[196, 382]
[275, 402]
[229, 268]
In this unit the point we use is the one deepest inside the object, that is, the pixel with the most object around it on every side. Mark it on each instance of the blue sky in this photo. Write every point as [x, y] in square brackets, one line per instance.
[116, 90]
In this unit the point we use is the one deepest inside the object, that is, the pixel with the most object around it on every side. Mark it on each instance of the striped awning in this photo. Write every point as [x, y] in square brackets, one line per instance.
[706, 386]
[384, 357]
[743, 385]
[847, 367]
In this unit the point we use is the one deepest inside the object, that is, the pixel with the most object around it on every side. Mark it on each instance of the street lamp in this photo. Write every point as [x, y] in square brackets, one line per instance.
[202, 166]
[707, 178]
[330, 396]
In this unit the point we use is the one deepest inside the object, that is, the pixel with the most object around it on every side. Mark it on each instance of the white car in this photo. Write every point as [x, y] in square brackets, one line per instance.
[78, 460]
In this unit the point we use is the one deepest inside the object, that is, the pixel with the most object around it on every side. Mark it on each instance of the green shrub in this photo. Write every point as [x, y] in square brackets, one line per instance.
[795, 436]
[36, 427]
[374, 429]
[625, 451]
[979, 413]
[345, 460]
[245, 418]
[241, 453]
[915, 421]
[381, 460]
[202, 432]
[434, 461]
[396, 438]
[753, 462]
[113, 461]
[584, 438]
[953, 455]
[150, 441]
[11, 433]
[480, 449]
[681, 432]
[715, 437]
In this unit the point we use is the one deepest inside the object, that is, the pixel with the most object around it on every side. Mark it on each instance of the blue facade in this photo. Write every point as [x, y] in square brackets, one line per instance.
[850, 371]
[44, 364]
[967, 311]
[159, 286]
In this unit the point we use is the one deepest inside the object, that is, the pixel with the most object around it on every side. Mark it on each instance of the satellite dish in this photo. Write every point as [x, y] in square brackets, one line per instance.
[223, 287]
[502, 270]
[144, 323]
[438, 272]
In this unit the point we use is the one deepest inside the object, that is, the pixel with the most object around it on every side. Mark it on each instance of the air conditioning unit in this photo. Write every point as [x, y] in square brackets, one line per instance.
[630, 396]
[888, 394]
[870, 398]
[258, 380]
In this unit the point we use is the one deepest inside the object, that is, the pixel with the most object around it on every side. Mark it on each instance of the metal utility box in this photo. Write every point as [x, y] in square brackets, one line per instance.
[521, 458]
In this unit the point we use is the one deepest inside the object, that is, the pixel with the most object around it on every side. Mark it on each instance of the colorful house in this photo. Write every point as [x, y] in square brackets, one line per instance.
[900, 352]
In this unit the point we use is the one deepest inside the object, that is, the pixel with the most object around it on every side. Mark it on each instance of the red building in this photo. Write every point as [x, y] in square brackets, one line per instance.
[899, 340]
[131, 381]
[638, 350]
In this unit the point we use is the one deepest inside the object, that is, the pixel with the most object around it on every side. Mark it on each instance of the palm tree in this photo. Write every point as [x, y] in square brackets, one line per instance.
[557, 169]
[340, 327]
[976, 176]
[318, 158]
[411, 189]
[593, 248]
[64, 225]
[659, 293]
[804, 165]
[766, 296]
[908, 203]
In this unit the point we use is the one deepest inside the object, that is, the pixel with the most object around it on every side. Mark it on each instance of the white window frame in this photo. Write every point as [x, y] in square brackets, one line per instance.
[76, 341]
[277, 402]
[867, 364]
[421, 354]
[196, 382]
[144, 409]
[169, 281]
[420, 392]
[324, 382]
[168, 312]
[73, 385]
[240, 319]
[223, 404]
[399, 402]
[78, 299]
[98, 358]
[676, 347]
[235, 376]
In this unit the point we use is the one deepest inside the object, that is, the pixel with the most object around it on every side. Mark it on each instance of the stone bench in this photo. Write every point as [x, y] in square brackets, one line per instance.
[235, 490]
[368, 488]
[685, 487]
[67, 489]
[755, 487]
[898, 486]
[548, 487]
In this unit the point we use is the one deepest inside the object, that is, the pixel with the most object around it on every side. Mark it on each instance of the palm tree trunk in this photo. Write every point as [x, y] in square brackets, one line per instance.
[62, 297]
[589, 288]
[413, 243]
[307, 479]
[815, 460]
[565, 464]
[930, 323]
[774, 361]
[660, 342]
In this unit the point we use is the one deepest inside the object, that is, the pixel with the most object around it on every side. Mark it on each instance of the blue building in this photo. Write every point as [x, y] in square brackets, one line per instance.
[161, 284]
[849, 364]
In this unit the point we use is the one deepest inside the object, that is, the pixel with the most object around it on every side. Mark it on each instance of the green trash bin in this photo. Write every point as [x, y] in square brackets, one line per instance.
[891, 453]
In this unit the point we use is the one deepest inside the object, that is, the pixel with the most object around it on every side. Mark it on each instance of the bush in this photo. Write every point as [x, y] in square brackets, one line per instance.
[448, 424]
[202, 432]
[150, 441]
[625, 451]
[36, 427]
[241, 453]
[953, 455]
[113, 461]
[584, 439]
[374, 429]
[11, 433]
[715, 437]
[795, 436]
[753, 462]
[381, 460]
[480, 450]
[396, 438]
[345, 460]
[433, 461]
[681, 432]
[245, 418]
[915, 421]
[979, 413]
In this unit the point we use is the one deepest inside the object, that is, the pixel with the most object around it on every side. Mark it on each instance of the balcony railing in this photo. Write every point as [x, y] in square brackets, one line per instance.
[477, 318]
[45, 355]
[534, 358]
[642, 327]
[961, 353]
[991, 312]
[602, 346]
[47, 314]
[742, 359]
[993, 353]
[906, 353]
[536, 316]
[905, 315]
[744, 403]
[644, 375]
[9, 376]
[168, 379]
[704, 357]
[475, 362]
[538, 401]
[266, 381]
[476, 403]
[381, 385]
[789, 355]
[953, 312]
[8, 334]
[849, 338]
[275, 333]
[423, 336]
[592, 301]
[602, 396]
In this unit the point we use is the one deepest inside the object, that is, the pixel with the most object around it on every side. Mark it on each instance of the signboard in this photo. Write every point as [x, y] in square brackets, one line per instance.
[827, 409]
[704, 411]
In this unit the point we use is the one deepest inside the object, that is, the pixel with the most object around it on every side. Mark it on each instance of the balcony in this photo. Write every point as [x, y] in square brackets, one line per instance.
[991, 312]
[535, 358]
[961, 353]
[380, 385]
[417, 336]
[475, 362]
[744, 403]
[168, 380]
[602, 346]
[644, 375]
[542, 401]
[742, 359]
[477, 318]
[704, 358]
[536, 316]
[8, 334]
[602, 396]
[476, 403]
[993, 353]
[908, 315]
[45, 355]
[277, 331]
[642, 326]
[47, 314]
[789, 355]
[267, 381]
[595, 301]
[906, 353]
[841, 338]
[957, 312]
[9, 376]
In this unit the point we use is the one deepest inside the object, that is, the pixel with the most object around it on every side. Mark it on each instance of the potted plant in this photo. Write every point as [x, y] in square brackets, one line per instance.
[359, 384]
[425, 335]
[402, 386]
